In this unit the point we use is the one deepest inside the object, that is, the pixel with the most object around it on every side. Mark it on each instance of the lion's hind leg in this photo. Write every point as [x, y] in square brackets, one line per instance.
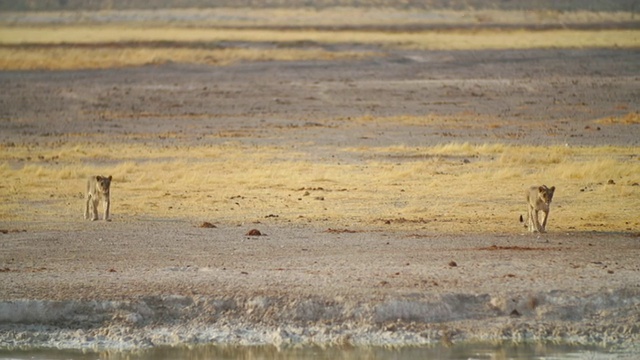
[530, 216]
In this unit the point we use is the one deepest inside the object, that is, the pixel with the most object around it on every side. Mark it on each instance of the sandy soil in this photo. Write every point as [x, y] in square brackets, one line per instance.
[536, 96]
[141, 282]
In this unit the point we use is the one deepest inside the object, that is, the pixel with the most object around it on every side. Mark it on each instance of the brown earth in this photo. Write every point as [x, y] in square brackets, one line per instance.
[127, 281]
[536, 97]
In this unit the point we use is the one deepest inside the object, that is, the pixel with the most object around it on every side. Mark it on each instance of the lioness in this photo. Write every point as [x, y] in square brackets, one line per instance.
[538, 199]
[98, 188]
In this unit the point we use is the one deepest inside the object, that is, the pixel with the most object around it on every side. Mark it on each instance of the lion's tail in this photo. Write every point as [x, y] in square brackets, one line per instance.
[522, 220]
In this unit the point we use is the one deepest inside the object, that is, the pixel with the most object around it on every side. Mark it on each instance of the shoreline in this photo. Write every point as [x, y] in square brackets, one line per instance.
[178, 321]
[267, 295]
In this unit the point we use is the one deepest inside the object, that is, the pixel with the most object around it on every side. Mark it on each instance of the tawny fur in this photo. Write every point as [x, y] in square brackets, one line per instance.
[538, 200]
[98, 189]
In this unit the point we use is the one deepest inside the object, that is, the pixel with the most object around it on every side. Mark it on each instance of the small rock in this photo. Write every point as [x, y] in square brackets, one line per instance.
[611, 182]
[254, 232]
[207, 225]
[453, 263]
[515, 313]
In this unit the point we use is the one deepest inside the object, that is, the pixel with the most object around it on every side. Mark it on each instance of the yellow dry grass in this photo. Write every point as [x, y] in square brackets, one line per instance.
[132, 52]
[630, 118]
[420, 189]
[67, 58]
[429, 40]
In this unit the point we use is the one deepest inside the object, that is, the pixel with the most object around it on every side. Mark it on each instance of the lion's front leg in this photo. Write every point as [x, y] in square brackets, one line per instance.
[107, 205]
[94, 209]
[536, 222]
[545, 216]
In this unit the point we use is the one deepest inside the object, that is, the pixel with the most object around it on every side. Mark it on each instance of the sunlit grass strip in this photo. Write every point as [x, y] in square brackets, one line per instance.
[132, 50]
[431, 40]
[430, 189]
[67, 58]
[630, 118]
[102, 151]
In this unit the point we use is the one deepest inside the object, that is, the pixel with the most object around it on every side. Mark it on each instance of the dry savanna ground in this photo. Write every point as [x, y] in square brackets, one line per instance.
[91, 47]
[451, 187]
[107, 39]
[455, 187]
[385, 154]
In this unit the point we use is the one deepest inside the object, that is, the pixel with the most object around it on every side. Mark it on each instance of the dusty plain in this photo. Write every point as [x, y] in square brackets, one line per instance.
[386, 187]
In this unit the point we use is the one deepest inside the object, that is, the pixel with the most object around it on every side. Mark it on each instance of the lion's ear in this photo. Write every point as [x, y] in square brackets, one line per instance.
[542, 188]
[552, 189]
[110, 177]
[99, 178]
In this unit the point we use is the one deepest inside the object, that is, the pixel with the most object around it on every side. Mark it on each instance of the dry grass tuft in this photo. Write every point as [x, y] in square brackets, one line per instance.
[629, 119]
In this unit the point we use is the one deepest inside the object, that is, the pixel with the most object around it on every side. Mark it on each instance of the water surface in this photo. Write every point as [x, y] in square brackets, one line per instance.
[459, 351]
